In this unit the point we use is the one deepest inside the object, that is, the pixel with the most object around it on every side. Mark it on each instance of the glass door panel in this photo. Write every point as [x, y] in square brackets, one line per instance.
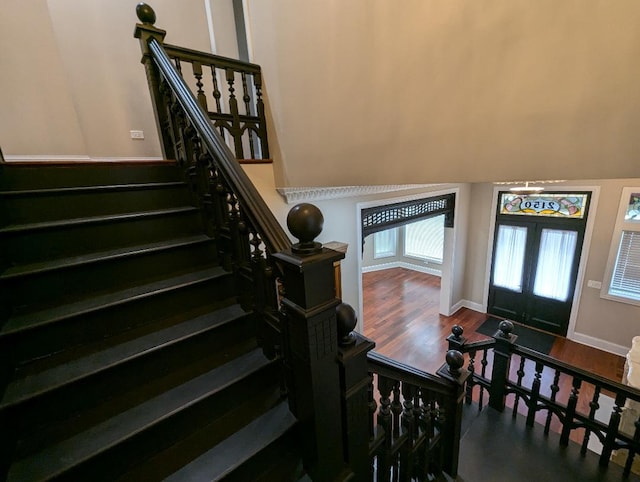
[509, 257]
[555, 264]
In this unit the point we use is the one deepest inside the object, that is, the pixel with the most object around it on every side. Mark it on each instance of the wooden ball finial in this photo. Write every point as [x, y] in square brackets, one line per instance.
[145, 14]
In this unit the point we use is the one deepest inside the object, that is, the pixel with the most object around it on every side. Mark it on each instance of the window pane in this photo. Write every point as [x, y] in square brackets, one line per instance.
[626, 274]
[555, 259]
[425, 239]
[509, 257]
[384, 243]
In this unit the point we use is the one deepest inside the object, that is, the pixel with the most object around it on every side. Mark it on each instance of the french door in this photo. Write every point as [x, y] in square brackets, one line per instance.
[535, 264]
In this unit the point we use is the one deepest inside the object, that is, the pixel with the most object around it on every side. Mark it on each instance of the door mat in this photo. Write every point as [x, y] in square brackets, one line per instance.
[535, 340]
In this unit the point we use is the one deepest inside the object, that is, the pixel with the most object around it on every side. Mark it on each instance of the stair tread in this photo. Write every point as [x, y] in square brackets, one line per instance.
[16, 228]
[61, 457]
[31, 320]
[89, 188]
[50, 265]
[23, 389]
[222, 459]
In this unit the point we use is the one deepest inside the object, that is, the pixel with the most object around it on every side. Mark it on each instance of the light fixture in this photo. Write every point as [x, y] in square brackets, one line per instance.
[526, 189]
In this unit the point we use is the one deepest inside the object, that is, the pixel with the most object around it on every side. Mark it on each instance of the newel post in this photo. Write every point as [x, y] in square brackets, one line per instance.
[311, 343]
[501, 363]
[147, 31]
[355, 383]
[454, 372]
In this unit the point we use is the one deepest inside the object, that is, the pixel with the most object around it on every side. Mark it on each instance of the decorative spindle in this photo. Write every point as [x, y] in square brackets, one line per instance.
[347, 320]
[305, 222]
[555, 388]
[593, 408]
[197, 73]
[520, 374]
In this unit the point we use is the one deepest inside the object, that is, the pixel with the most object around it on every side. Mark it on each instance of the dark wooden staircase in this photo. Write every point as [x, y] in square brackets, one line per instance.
[124, 352]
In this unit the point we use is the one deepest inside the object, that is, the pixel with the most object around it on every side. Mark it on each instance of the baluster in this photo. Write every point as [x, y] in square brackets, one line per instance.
[217, 94]
[247, 106]
[632, 451]
[612, 430]
[373, 406]
[197, 73]
[262, 130]
[178, 66]
[571, 411]
[396, 410]
[409, 424]
[520, 374]
[555, 387]
[470, 382]
[593, 408]
[385, 385]
[236, 130]
[535, 393]
[484, 363]
[428, 424]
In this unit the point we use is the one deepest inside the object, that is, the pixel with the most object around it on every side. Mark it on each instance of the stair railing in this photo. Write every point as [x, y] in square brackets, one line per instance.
[414, 432]
[562, 398]
[290, 287]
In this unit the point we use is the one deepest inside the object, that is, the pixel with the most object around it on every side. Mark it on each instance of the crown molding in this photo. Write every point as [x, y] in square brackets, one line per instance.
[302, 194]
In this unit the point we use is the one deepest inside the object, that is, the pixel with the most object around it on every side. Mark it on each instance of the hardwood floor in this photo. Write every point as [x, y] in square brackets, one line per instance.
[401, 314]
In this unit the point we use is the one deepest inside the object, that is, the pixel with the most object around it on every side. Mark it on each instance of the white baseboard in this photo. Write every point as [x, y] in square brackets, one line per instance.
[468, 304]
[472, 305]
[75, 158]
[600, 344]
[401, 264]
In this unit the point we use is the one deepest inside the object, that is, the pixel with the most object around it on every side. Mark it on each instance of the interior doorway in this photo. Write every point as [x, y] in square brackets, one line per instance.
[536, 254]
[411, 234]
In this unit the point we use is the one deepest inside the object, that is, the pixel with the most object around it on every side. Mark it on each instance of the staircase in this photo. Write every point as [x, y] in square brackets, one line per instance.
[124, 352]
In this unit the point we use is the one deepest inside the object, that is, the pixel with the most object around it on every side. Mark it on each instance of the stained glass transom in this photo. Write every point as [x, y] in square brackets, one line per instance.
[567, 205]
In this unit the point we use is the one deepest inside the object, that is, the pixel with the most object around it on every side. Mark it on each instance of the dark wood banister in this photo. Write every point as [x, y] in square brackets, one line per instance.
[223, 62]
[570, 370]
[401, 372]
[256, 210]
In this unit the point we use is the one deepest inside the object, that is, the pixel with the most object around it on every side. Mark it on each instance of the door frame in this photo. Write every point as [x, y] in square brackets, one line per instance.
[584, 253]
[446, 279]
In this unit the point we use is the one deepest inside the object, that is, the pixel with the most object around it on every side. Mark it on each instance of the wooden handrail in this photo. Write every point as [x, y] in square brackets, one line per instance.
[388, 367]
[191, 55]
[592, 378]
[257, 210]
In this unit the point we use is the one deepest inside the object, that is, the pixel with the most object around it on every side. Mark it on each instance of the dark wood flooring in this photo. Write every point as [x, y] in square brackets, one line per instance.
[401, 314]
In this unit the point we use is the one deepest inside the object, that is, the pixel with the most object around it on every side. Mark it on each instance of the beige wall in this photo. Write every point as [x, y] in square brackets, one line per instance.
[450, 90]
[341, 225]
[72, 81]
[37, 115]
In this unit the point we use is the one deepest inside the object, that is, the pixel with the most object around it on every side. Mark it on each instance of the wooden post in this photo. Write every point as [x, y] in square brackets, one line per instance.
[355, 383]
[311, 343]
[501, 364]
[146, 31]
[453, 371]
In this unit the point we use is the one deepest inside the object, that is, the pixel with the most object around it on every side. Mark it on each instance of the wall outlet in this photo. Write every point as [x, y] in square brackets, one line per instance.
[594, 284]
[137, 134]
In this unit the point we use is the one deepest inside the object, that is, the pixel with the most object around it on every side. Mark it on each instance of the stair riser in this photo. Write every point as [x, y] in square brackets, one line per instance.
[278, 461]
[201, 353]
[67, 333]
[36, 208]
[80, 281]
[170, 431]
[34, 246]
[14, 177]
